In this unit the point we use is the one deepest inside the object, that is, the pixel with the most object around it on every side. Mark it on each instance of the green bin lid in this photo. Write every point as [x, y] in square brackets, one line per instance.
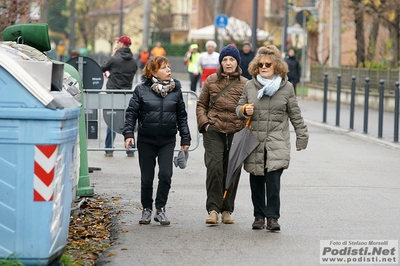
[33, 34]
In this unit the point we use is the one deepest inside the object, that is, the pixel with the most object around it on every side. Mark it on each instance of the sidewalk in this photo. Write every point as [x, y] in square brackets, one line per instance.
[343, 186]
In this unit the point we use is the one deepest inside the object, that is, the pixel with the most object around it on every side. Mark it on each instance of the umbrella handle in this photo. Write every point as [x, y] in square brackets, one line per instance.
[226, 191]
[248, 122]
[248, 119]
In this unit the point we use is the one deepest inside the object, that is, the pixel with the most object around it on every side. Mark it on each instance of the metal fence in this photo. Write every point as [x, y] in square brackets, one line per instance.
[366, 85]
[106, 108]
[390, 76]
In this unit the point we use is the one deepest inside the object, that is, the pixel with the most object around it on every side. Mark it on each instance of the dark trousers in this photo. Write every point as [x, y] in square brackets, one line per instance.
[194, 80]
[216, 155]
[265, 194]
[147, 162]
[294, 83]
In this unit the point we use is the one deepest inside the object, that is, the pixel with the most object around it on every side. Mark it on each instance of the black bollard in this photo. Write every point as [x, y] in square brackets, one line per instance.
[339, 87]
[325, 98]
[396, 113]
[366, 105]
[381, 97]
[352, 101]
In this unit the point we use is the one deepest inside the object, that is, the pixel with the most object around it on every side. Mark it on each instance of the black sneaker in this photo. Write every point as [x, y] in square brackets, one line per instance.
[146, 216]
[161, 217]
[259, 223]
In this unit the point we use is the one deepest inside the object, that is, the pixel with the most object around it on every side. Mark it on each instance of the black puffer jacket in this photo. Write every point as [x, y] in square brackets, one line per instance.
[122, 67]
[158, 118]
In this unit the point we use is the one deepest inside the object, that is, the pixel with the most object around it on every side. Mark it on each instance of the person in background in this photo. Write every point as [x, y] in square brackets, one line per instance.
[270, 101]
[191, 58]
[246, 54]
[122, 68]
[158, 50]
[75, 54]
[208, 61]
[294, 68]
[144, 56]
[157, 105]
[83, 51]
[218, 124]
[61, 50]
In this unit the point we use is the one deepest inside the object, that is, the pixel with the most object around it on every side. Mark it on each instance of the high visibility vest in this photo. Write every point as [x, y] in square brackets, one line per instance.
[193, 59]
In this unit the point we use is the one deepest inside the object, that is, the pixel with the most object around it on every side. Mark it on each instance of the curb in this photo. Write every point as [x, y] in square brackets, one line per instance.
[353, 134]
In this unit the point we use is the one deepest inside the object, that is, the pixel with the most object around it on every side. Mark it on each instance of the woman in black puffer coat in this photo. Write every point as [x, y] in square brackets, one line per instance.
[157, 104]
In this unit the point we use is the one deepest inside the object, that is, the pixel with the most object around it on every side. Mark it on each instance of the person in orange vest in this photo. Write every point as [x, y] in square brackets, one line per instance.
[144, 56]
[158, 50]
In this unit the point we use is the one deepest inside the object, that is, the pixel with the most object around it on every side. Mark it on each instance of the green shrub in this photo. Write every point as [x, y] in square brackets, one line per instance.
[11, 260]
[173, 49]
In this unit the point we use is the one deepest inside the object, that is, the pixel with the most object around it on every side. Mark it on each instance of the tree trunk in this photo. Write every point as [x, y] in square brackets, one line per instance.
[396, 40]
[373, 36]
[359, 21]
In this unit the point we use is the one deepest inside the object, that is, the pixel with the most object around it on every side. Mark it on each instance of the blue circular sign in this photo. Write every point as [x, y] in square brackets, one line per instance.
[221, 21]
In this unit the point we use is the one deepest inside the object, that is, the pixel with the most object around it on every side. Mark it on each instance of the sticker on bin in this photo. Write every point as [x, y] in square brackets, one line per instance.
[44, 168]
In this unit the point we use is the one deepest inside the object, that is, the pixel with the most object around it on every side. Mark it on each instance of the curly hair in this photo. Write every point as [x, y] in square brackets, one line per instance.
[281, 67]
[153, 65]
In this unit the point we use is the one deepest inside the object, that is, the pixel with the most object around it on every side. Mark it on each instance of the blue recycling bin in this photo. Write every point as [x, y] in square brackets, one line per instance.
[38, 158]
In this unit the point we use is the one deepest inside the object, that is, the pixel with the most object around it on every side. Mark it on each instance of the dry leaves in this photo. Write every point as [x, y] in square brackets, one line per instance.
[90, 229]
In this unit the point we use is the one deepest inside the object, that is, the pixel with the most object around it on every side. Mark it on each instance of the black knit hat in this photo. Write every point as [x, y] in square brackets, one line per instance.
[231, 51]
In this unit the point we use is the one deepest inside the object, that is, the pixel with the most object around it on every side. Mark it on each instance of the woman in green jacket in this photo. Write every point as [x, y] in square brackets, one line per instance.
[270, 101]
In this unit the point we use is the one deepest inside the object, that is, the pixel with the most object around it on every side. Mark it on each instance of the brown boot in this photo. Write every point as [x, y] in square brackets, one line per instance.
[272, 224]
[259, 223]
[227, 218]
[212, 218]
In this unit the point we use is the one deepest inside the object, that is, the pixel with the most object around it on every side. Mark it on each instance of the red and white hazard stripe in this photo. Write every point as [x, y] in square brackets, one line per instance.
[44, 171]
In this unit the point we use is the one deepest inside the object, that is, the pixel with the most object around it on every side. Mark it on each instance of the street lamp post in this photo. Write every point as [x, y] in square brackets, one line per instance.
[121, 18]
[254, 28]
[72, 33]
[303, 11]
[284, 30]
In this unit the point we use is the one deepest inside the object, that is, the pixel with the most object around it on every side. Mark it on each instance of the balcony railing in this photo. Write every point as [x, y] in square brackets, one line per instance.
[180, 22]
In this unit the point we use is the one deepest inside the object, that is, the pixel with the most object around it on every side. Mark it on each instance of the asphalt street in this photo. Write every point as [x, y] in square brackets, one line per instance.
[344, 186]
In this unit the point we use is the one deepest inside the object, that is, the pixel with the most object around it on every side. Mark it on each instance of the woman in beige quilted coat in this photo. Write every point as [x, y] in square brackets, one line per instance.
[270, 101]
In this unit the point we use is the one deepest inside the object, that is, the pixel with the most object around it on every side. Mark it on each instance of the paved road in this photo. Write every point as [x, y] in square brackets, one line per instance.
[344, 186]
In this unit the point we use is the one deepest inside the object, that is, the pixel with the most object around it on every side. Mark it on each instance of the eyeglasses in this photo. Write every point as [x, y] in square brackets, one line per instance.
[267, 65]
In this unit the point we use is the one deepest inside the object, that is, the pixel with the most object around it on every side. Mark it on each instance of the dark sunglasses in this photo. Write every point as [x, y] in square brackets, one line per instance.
[267, 65]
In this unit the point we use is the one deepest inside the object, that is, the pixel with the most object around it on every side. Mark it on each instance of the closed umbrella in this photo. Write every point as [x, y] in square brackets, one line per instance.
[243, 143]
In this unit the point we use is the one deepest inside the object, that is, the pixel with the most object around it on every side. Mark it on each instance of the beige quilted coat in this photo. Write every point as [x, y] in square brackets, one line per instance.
[270, 122]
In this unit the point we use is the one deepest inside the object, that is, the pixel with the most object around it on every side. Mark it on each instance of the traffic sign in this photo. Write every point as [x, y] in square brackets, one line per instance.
[221, 21]
[300, 16]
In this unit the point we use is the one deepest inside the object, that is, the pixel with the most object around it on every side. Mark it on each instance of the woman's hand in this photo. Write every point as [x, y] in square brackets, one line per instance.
[249, 109]
[129, 142]
[185, 147]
